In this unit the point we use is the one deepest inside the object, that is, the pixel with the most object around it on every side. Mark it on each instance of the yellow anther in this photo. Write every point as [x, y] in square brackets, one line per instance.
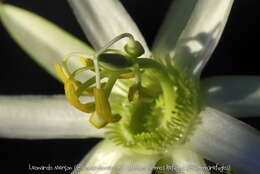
[96, 121]
[63, 77]
[86, 61]
[102, 105]
[70, 92]
[138, 93]
[127, 75]
[100, 120]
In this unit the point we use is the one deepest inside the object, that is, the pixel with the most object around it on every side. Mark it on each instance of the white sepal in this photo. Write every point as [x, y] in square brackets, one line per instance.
[235, 95]
[104, 20]
[223, 139]
[43, 117]
[101, 159]
[191, 32]
[42, 40]
[136, 163]
[185, 161]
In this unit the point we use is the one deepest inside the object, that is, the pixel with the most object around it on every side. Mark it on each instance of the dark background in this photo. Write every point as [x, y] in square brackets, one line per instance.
[236, 54]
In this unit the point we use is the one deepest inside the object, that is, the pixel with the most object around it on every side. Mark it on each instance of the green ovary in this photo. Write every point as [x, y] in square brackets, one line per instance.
[170, 119]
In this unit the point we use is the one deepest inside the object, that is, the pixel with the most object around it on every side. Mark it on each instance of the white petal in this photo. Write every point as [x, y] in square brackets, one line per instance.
[235, 95]
[100, 159]
[191, 32]
[104, 20]
[43, 117]
[188, 162]
[221, 138]
[43, 41]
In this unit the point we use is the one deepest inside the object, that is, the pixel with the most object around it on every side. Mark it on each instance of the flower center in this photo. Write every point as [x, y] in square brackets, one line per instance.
[168, 120]
[152, 107]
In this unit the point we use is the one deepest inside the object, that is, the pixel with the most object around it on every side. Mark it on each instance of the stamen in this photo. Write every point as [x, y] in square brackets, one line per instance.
[102, 105]
[71, 85]
[86, 61]
[96, 121]
[60, 72]
[110, 83]
[90, 90]
[84, 86]
[70, 93]
[76, 72]
[137, 93]
[114, 64]
[66, 67]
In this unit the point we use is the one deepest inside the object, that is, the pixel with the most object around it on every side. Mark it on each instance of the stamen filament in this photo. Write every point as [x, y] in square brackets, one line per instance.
[85, 85]
[111, 82]
[76, 72]
[63, 77]
[68, 57]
